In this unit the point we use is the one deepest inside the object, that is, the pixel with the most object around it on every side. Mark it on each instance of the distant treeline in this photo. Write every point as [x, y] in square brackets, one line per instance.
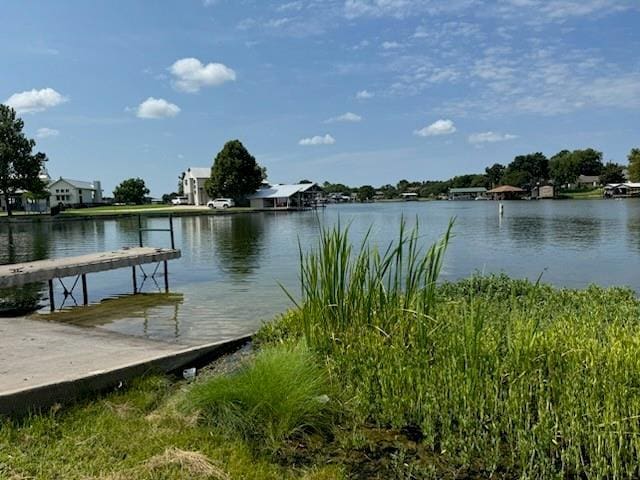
[525, 171]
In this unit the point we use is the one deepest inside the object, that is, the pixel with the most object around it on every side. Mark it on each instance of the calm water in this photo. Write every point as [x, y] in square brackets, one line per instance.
[228, 277]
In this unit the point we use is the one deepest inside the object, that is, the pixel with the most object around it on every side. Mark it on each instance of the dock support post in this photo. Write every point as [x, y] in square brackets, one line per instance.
[166, 277]
[135, 279]
[173, 242]
[52, 304]
[85, 294]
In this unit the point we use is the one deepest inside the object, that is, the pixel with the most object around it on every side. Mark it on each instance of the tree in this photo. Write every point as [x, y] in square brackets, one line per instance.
[634, 165]
[329, 187]
[235, 172]
[612, 173]
[304, 181]
[527, 170]
[495, 173]
[564, 167]
[19, 167]
[181, 184]
[132, 190]
[366, 192]
[589, 161]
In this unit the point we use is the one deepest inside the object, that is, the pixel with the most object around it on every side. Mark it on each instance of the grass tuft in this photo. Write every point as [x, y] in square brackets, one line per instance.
[280, 394]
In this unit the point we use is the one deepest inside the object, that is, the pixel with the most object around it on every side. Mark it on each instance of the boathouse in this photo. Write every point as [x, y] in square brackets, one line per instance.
[470, 193]
[622, 190]
[286, 197]
[506, 192]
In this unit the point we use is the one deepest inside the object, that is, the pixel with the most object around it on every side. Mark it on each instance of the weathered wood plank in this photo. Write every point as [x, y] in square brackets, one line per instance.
[18, 274]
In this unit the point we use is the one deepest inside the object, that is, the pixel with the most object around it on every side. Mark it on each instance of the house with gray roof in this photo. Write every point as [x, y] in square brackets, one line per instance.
[66, 192]
[193, 181]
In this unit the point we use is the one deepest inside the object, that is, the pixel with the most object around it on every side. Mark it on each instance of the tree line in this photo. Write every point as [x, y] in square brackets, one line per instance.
[525, 171]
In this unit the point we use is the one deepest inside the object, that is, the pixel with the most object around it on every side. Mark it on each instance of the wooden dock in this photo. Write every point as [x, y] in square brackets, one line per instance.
[19, 274]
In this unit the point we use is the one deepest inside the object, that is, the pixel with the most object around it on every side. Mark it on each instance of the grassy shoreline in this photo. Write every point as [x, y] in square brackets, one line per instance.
[379, 372]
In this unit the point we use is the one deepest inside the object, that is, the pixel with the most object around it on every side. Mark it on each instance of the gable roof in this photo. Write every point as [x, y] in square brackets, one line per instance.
[506, 189]
[282, 191]
[80, 184]
[199, 172]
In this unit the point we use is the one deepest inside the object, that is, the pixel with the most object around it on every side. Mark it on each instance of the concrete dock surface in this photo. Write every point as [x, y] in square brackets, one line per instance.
[42, 363]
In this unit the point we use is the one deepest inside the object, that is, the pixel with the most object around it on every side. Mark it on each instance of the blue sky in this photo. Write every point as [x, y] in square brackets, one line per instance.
[356, 91]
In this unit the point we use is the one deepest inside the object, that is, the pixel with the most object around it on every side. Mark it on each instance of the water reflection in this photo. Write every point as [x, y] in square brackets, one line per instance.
[234, 242]
[146, 314]
[22, 244]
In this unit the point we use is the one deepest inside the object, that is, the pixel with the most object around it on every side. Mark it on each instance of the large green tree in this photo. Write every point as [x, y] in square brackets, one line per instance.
[564, 167]
[132, 190]
[634, 165]
[612, 173]
[495, 173]
[366, 192]
[527, 170]
[19, 166]
[589, 161]
[235, 172]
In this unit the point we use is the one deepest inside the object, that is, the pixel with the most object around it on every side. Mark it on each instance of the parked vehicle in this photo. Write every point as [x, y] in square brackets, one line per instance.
[180, 201]
[221, 203]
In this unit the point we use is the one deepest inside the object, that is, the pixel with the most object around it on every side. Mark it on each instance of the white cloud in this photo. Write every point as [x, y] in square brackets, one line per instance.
[391, 45]
[157, 108]
[35, 100]
[490, 137]
[296, 5]
[45, 132]
[364, 94]
[318, 140]
[347, 117]
[190, 74]
[439, 127]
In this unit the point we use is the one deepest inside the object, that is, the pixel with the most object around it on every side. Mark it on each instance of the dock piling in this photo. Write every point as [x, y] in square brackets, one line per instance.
[85, 294]
[135, 279]
[52, 305]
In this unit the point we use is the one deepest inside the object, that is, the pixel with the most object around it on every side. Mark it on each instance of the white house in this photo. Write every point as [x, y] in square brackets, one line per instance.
[193, 185]
[299, 195]
[65, 191]
[22, 200]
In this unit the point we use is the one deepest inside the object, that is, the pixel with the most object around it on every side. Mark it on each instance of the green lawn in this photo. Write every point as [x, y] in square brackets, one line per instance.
[592, 194]
[146, 210]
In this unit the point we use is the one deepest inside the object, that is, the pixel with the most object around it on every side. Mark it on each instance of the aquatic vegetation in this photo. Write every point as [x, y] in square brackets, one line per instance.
[506, 375]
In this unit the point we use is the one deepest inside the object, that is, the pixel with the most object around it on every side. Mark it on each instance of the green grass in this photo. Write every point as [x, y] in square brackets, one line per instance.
[590, 194]
[136, 434]
[500, 376]
[147, 210]
[280, 395]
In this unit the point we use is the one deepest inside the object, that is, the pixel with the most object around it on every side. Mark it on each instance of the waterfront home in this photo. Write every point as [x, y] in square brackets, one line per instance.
[470, 193]
[409, 196]
[286, 197]
[193, 181]
[66, 192]
[506, 192]
[621, 190]
[585, 181]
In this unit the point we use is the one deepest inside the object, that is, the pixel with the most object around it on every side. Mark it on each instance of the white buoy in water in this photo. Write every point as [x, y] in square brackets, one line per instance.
[501, 209]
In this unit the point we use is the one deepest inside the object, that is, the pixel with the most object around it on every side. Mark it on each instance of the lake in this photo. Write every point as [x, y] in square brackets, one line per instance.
[229, 278]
